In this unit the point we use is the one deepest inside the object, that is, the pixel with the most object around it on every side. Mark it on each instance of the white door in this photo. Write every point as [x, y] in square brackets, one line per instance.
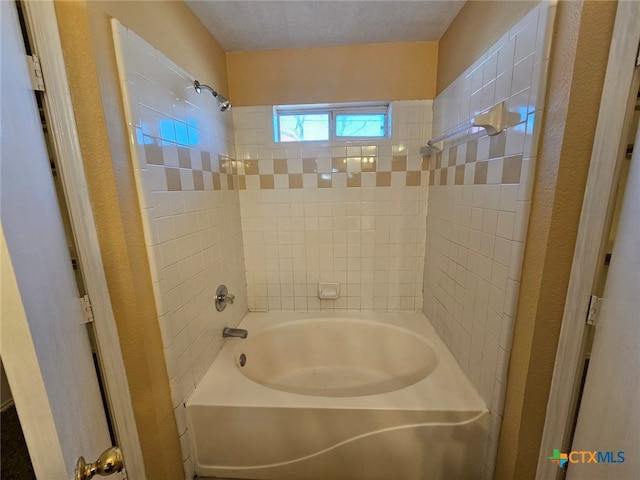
[44, 343]
[609, 418]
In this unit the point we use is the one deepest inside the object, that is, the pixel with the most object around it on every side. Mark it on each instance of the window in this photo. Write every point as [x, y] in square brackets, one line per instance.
[354, 125]
[307, 123]
[302, 127]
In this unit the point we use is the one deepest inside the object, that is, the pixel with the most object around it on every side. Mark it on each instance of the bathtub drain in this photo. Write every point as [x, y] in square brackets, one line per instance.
[243, 359]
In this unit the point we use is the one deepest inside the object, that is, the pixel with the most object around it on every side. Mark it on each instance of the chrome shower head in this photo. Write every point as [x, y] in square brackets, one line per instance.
[223, 103]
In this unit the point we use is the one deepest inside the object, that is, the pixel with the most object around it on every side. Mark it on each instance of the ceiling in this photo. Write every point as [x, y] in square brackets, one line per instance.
[245, 25]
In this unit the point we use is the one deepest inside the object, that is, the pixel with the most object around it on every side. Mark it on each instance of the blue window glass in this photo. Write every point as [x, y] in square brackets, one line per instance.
[361, 125]
[302, 127]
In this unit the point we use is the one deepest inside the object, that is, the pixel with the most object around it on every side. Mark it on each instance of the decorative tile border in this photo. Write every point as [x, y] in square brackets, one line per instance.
[463, 164]
[364, 171]
[188, 169]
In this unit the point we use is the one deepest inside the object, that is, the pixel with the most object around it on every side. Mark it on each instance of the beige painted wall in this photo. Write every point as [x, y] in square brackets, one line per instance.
[476, 27]
[89, 55]
[580, 47]
[394, 71]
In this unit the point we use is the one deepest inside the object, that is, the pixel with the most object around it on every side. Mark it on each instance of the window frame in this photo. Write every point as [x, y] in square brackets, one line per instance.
[333, 110]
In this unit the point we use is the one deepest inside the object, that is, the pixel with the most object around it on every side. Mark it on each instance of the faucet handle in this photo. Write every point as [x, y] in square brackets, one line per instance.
[223, 297]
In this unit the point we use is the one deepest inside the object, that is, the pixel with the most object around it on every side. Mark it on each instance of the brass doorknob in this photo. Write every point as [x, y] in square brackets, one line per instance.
[110, 461]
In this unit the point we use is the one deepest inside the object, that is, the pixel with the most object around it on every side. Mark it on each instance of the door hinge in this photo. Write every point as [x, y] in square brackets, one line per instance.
[35, 70]
[87, 311]
[594, 310]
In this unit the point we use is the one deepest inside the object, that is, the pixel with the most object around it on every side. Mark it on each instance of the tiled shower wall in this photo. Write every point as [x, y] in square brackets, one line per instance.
[346, 212]
[479, 198]
[182, 147]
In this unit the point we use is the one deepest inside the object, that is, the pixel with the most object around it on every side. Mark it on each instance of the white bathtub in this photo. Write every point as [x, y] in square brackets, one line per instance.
[321, 397]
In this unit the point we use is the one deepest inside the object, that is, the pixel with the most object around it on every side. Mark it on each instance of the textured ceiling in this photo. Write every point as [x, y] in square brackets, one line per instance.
[246, 25]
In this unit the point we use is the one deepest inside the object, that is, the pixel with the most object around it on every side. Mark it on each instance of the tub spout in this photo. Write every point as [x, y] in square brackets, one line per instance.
[234, 332]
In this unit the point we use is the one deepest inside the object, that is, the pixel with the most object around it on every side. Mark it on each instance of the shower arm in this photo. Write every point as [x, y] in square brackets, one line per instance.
[199, 86]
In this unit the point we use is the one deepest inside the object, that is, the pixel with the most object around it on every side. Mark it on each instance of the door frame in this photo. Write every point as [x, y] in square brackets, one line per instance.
[621, 79]
[43, 29]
